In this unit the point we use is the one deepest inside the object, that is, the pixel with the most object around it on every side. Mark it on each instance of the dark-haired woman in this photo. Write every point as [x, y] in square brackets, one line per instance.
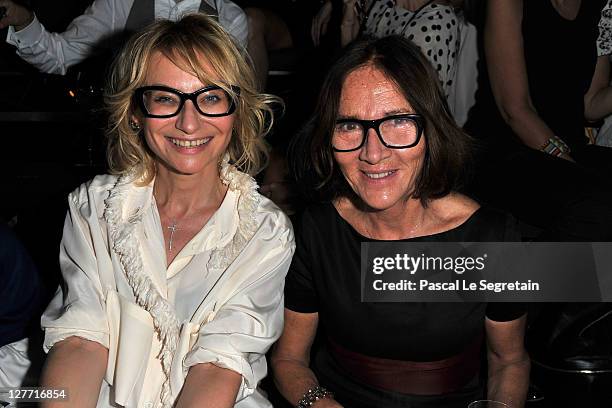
[387, 158]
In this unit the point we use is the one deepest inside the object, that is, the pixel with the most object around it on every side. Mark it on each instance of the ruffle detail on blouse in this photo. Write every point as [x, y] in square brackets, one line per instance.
[123, 240]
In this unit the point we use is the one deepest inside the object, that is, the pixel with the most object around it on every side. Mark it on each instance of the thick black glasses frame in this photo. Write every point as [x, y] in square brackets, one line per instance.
[375, 124]
[193, 97]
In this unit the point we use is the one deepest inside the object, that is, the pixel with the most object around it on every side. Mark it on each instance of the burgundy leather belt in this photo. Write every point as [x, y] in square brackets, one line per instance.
[411, 377]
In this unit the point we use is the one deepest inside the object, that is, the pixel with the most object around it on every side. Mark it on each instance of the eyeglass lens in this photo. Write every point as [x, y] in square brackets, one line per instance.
[396, 132]
[165, 102]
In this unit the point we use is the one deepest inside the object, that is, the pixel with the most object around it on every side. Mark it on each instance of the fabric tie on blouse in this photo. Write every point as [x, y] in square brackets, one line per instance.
[132, 339]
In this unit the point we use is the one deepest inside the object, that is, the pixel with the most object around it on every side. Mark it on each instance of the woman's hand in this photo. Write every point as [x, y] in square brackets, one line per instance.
[320, 22]
[15, 15]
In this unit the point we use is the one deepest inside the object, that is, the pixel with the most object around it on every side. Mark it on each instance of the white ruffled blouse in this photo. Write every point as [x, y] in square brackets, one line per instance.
[220, 301]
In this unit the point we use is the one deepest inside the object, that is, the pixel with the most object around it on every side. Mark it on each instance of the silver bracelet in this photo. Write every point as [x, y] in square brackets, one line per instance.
[313, 395]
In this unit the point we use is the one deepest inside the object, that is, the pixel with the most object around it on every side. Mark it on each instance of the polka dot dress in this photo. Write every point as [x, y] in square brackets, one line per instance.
[604, 41]
[435, 30]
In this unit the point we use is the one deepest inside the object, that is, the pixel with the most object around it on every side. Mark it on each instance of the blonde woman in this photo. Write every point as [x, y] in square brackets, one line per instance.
[174, 264]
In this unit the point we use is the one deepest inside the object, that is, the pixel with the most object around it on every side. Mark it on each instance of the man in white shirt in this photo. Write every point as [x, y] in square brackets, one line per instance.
[56, 52]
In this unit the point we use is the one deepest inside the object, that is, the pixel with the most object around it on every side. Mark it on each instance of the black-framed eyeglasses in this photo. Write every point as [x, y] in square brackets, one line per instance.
[158, 101]
[395, 132]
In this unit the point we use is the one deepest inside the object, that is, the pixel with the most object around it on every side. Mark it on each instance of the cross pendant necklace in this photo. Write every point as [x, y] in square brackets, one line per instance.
[173, 227]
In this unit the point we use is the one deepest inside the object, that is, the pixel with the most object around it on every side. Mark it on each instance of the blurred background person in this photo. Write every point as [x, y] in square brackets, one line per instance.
[102, 25]
[534, 158]
[437, 27]
[287, 64]
[598, 100]
[278, 34]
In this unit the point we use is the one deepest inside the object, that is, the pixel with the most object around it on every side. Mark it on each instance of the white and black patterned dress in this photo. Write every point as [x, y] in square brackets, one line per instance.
[434, 28]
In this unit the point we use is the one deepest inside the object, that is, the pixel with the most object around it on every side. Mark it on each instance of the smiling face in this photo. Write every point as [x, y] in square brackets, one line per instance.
[188, 143]
[383, 178]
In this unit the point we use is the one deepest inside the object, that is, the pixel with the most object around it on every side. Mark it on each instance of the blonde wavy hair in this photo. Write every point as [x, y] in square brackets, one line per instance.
[189, 43]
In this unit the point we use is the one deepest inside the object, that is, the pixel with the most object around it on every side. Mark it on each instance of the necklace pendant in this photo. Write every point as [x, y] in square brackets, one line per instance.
[173, 228]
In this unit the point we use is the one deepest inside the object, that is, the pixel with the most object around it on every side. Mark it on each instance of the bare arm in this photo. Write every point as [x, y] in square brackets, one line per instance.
[210, 386]
[351, 21]
[508, 361]
[508, 73]
[598, 99]
[64, 368]
[291, 358]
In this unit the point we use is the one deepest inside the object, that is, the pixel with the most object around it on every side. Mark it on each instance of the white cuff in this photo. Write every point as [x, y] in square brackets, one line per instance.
[26, 37]
[53, 336]
[251, 372]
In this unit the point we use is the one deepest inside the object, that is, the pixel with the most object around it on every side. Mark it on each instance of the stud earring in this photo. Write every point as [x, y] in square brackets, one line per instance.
[135, 126]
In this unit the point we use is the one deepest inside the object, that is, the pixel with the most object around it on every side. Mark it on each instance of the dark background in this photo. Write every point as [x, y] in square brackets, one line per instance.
[50, 141]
